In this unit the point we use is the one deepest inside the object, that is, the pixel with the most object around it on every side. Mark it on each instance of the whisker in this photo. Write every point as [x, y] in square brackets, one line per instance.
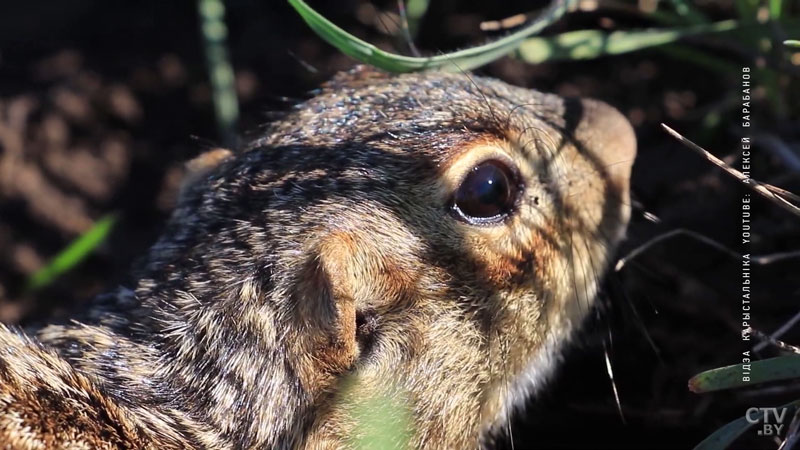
[480, 91]
[611, 377]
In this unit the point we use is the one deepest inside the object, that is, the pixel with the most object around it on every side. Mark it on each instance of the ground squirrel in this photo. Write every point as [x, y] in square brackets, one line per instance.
[430, 238]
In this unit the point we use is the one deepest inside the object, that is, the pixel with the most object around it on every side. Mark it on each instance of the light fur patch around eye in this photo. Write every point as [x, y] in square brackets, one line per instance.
[455, 169]
[503, 248]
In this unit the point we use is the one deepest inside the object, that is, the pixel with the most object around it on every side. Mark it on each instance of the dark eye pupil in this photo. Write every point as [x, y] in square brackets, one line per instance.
[486, 192]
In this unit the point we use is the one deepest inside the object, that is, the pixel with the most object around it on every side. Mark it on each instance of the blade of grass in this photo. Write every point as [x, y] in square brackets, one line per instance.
[792, 43]
[729, 377]
[775, 9]
[725, 435]
[381, 423]
[589, 44]
[688, 12]
[71, 256]
[761, 189]
[415, 9]
[699, 57]
[382, 419]
[746, 9]
[467, 59]
[220, 71]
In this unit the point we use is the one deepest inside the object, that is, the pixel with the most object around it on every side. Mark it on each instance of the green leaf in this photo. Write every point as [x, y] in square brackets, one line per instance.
[792, 43]
[467, 59]
[589, 44]
[76, 252]
[772, 369]
[725, 435]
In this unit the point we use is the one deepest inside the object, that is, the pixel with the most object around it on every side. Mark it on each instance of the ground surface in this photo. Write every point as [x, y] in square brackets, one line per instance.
[101, 102]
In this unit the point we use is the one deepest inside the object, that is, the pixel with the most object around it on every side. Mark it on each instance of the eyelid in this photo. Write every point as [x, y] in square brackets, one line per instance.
[457, 170]
[501, 157]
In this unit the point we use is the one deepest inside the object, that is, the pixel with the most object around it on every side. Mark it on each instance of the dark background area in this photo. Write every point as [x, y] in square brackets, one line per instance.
[101, 103]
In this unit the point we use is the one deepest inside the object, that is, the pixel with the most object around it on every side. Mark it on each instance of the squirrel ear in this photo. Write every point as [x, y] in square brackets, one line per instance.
[202, 164]
[325, 305]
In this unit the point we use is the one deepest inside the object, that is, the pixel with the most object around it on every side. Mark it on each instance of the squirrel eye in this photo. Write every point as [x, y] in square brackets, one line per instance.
[487, 194]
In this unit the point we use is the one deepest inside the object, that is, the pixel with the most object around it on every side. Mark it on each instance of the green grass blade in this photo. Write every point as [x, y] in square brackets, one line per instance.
[775, 9]
[76, 252]
[699, 57]
[687, 11]
[772, 369]
[220, 70]
[382, 420]
[725, 435]
[589, 44]
[381, 423]
[467, 59]
[415, 10]
[792, 43]
[746, 9]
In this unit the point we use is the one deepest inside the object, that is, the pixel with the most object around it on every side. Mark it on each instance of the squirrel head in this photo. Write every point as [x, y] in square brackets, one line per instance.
[431, 237]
